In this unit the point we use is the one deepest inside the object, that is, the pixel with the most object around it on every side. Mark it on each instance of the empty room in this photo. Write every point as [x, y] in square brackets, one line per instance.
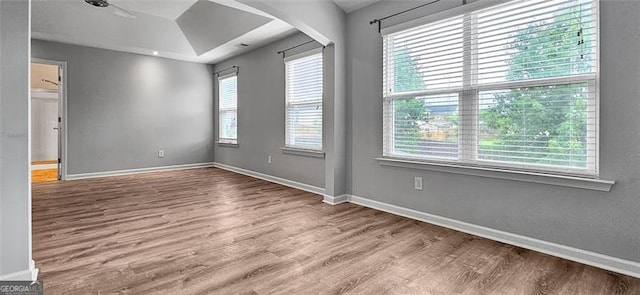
[319, 147]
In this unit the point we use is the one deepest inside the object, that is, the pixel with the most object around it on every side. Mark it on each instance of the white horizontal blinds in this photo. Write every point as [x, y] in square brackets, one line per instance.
[513, 85]
[304, 102]
[228, 109]
[536, 39]
[419, 60]
[544, 52]
[542, 125]
[427, 57]
[430, 134]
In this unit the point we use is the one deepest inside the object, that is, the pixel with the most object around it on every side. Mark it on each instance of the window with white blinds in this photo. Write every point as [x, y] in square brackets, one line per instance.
[228, 109]
[303, 74]
[509, 86]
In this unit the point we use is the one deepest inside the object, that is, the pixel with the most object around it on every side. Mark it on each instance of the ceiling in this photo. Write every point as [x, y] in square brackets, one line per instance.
[170, 9]
[203, 31]
[199, 31]
[352, 5]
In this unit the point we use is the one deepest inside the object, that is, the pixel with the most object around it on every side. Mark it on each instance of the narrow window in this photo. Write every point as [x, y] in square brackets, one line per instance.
[303, 127]
[228, 109]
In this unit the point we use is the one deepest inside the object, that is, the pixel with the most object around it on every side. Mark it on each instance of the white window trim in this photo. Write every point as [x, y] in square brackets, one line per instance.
[303, 152]
[489, 169]
[228, 142]
[315, 153]
[501, 173]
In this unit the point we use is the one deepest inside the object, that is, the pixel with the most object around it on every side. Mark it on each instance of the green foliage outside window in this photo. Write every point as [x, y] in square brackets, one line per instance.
[536, 125]
[407, 112]
[547, 124]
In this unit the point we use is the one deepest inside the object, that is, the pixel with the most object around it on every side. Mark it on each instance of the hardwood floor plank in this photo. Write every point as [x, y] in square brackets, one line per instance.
[210, 231]
[44, 162]
[44, 175]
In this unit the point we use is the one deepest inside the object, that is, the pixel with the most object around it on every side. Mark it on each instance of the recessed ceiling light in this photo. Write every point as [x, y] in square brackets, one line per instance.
[155, 53]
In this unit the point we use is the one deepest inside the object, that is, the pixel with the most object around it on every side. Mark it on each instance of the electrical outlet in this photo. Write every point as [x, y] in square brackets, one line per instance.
[160, 153]
[417, 183]
[269, 160]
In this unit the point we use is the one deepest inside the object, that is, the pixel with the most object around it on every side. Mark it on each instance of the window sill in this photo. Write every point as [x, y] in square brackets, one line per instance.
[302, 152]
[228, 144]
[551, 179]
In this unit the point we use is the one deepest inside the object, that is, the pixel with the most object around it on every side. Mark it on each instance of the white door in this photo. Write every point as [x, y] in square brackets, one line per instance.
[44, 126]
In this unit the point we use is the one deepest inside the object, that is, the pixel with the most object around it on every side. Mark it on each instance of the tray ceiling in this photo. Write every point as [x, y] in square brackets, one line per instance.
[199, 31]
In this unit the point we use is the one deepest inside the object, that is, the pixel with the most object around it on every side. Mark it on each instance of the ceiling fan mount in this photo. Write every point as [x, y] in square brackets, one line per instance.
[98, 3]
[114, 8]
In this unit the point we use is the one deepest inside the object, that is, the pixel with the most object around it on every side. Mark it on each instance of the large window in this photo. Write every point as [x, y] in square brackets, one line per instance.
[303, 128]
[228, 109]
[512, 86]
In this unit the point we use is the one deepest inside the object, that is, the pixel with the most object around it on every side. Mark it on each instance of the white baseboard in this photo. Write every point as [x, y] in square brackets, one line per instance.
[44, 167]
[24, 275]
[30, 274]
[614, 264]
[138, 170]
[331, 200]
[267, 177]
[34, 271]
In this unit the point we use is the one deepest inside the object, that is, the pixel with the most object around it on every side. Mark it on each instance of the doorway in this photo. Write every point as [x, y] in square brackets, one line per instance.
[47, 136]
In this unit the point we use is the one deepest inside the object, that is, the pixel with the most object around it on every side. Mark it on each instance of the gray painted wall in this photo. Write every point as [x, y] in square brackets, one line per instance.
[606, 223]
[261, 116]
[15, 193]
[122, 108]
[325, 22]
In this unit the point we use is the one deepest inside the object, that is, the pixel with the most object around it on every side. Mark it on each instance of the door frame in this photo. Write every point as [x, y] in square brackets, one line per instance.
[62, 112]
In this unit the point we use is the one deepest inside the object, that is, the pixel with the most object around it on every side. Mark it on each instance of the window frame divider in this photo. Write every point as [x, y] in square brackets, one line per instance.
[497, 86]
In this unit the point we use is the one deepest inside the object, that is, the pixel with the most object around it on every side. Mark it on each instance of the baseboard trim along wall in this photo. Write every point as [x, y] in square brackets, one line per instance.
[331, 200]
[30, 274]
[24, 275]
[138, 170]
[271, 178]
[614, 264]
[44, 167]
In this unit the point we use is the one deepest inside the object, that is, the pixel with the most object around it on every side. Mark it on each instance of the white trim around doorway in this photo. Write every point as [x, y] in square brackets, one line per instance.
[62, 112]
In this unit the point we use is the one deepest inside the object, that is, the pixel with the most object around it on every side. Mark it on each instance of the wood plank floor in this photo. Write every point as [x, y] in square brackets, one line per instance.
[209, 231]
[44, 162]
[44, 175]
